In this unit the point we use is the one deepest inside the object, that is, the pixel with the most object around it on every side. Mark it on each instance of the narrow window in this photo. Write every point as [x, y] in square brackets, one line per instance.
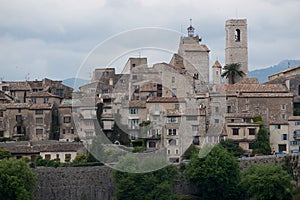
[237, 35]
[235, 131]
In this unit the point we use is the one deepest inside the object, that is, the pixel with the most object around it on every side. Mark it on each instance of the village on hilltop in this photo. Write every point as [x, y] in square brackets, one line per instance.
[169, 105]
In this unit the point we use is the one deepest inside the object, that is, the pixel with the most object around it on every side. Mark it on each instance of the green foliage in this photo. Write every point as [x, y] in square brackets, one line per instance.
[80, 158]
[153, 185]
[232, 71]
[232, 148]
[257, 119]
[139, 149]
[266, 181]
[216, 176]
[262, 143]
[4, 139]
[47, 163]
[4, 153]
[17, 181]
[190, 151]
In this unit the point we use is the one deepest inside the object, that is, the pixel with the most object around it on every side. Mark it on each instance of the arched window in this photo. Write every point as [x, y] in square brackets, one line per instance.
[237, 35]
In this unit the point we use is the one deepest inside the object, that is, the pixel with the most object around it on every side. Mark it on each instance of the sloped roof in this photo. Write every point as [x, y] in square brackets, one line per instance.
[164, 100]
[37, 147]
[42, 94]
[217, 64]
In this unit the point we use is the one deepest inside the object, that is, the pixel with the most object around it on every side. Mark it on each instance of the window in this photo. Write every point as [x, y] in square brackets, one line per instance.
[176, 106]
[152, 144]
[89, 122]
[277, 126]
[283, 116]
[195, 127]
[136, 88]
[196, 140]
[46, 100]
[156, 107]
[297, 123]
[297, 134]
[172, 142]
[133, 111]
[67, 157]
[217, 121]
[283, 107]
[64, 131]
[67, 119]
[251, 131]
[191, 118]
[174, 92]
[89, 133]
[251, 145]
[19, 118]
[19, 110]
[176, 151]
[169, 151]
[284, 136]
[39, 112]
[68, 130]
[1, 113]
[247, 120]
[173, 79]
[172, 119]
[47, 156]
[105, 91]
[1, 133]
[229, 109]
[39, 120]
[33, 100]
[39, 131]
[216, 109]
[4, 88]
[59, 92]
[235, 131]
[19, 129]
[282, 147]
[134, 77]
[171, 131]
[133, 123]
[237, 35]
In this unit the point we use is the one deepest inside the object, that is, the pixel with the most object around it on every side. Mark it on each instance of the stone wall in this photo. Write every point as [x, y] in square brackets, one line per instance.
[74, 183]
[95, 183]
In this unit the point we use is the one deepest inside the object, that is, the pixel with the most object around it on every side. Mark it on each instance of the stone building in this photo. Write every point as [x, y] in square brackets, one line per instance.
[236, 46]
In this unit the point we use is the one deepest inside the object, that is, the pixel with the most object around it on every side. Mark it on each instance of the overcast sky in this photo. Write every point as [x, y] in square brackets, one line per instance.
[53, 38]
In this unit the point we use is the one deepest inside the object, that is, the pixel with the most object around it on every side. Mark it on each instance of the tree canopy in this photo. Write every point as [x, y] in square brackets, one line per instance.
[265, 181]
[17, 181]
[262, 143]
[216, 176]
[232, 148]
[153, 185]
[232, 71]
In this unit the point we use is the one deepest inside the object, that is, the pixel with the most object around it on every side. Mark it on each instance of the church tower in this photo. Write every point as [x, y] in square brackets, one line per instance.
[195, 56]
[217, 72]
[236, 49]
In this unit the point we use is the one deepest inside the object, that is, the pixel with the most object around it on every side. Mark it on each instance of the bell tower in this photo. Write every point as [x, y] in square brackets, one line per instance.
[236, 49]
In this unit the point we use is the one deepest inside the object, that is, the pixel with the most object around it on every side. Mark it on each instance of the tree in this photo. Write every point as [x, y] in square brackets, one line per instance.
[17, 181]
[262, 143]
[4, 153]
[216, 176]
[232, 148]
[153, 185]
[232, 71]
[265, 181]
[80, 158]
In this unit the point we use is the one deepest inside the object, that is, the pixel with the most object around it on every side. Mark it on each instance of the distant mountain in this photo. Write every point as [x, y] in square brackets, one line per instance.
[262, 74]
[75, 83]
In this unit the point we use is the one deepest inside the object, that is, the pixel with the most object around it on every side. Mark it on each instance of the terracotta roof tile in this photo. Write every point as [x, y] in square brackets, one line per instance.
[217, 64]
[164, 100]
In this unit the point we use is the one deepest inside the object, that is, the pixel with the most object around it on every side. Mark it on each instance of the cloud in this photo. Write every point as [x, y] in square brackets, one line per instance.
[52, 37]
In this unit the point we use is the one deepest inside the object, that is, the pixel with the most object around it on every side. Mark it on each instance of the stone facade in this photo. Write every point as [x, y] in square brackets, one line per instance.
[236, 47]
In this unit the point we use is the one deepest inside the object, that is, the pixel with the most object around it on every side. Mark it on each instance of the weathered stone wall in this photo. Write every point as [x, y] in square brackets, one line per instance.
[95, 183]
[74, 183]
